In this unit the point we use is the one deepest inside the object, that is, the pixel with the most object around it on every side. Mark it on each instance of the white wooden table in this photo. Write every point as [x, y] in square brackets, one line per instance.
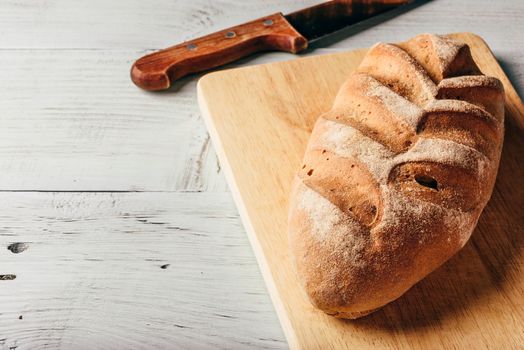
[133, 239]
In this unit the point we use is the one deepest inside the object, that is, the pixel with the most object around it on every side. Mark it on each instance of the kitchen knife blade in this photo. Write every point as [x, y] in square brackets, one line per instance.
[326, 18]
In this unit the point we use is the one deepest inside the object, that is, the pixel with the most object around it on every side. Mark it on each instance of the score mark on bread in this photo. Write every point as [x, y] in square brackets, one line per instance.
[395, 175]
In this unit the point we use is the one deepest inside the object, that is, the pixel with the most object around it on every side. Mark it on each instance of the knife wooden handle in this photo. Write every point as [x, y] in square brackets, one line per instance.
[156, 71]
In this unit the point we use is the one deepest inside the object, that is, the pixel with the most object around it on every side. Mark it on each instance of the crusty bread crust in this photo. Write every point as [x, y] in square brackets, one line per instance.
[395, 175]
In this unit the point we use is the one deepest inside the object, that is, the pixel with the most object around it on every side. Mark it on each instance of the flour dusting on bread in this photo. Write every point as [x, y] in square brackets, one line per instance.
[446, 50]
[329, 224]
[406, 111]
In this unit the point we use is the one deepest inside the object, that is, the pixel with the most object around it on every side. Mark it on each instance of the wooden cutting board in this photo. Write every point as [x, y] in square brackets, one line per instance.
[260, 119]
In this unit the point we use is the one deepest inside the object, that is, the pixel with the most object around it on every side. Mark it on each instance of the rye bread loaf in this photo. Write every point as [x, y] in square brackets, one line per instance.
[395, 175]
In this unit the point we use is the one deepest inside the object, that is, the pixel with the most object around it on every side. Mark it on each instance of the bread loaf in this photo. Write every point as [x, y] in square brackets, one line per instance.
[395, 175]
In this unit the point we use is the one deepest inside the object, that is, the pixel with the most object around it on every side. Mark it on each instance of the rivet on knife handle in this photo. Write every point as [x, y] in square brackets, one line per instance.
[158, 70]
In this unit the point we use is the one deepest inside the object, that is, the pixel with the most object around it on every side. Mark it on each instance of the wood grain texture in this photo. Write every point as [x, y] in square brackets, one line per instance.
[89, 128]
[92, 277]
[473, 301]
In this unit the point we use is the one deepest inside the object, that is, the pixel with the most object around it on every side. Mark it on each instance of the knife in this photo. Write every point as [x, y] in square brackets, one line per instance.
[277, 32]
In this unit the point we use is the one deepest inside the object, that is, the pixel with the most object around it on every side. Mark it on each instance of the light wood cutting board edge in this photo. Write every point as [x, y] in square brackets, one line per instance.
[242, 210]
[515, 106]
[250, 231]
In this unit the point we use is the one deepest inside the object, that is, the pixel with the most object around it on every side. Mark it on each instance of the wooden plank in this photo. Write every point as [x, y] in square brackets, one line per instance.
[260, 119]
[91, 277]
[82, 125]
